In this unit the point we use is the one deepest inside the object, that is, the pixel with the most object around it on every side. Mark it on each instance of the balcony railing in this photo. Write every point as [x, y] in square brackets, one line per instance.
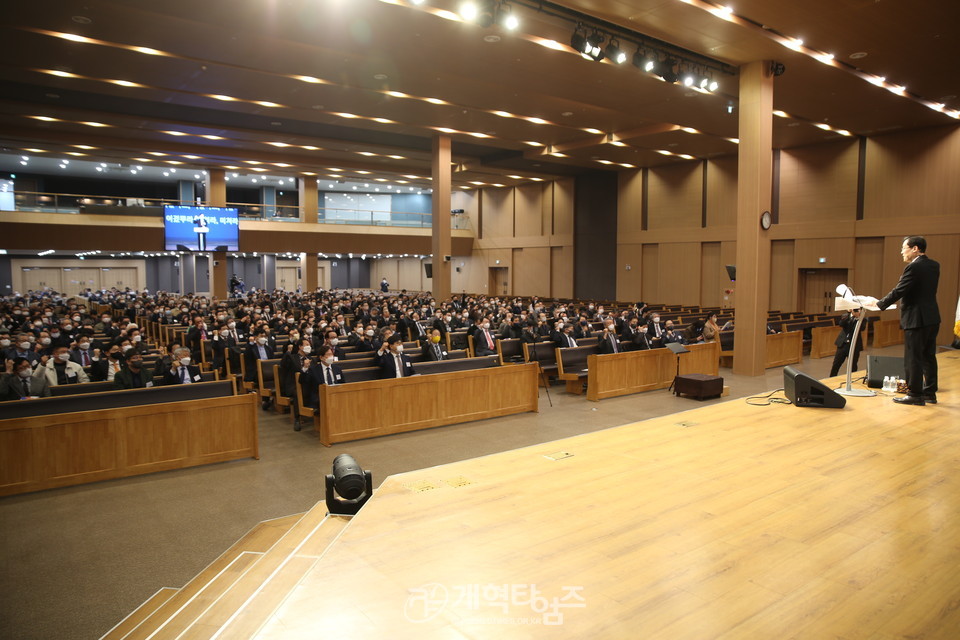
[71, 203]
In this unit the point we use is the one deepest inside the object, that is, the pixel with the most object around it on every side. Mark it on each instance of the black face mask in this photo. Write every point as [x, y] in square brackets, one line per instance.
[116, 356]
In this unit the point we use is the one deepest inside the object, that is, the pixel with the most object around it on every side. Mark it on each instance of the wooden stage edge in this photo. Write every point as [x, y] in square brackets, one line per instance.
[724, 521]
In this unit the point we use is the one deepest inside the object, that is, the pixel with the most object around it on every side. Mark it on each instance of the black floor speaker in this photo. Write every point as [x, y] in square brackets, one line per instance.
[879, 367]
[804, 391]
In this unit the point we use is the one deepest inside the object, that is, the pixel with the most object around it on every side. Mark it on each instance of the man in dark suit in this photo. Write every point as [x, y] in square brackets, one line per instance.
[314, 374]
[483, 344]
[565, 338]
[434, 350]
[607, 341]
[181, 371]
[393, 364]
[292, 362]
[195, 334]
[655, 328]
[134, 375]
[641, 341]
[919, 319]
[259, 349]
[848, 323]
[582, 328]
[19, 381]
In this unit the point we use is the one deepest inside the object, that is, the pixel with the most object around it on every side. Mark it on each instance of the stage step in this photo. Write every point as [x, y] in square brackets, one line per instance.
[241, 554]
[140, 614]
[255, 596]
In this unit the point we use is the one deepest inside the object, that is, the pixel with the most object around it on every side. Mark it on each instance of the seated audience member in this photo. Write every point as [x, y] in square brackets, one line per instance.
[393, 364]
[582, 328]
[182, 372]
[444, 323]
[256, 350]
[434, 350]
[19, 381]
[641, 341]
[23, 348]
[290, 364]
[166, 356]
[83, 355]
[655, 328]
[222, 342]
[529, 334]
[59, 370]
[44, 344]
[106, 366]
[356, 336]
[483, 344]
[711, 329]
[670, 334]
[629, 331]
[134, 375]
[195, 335]
[332, 340]
[694, 332]
[607, 340]
[313, 374]
[565, 338]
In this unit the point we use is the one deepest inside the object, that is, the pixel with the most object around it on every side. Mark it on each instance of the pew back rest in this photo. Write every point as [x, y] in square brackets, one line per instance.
[545, 354]
[265, 372]
[573, 360]
[115, 399]
[460, 364]
[510, 349]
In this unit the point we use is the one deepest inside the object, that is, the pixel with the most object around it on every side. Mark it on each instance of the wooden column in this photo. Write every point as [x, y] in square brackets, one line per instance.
[310, 265]
[754, 179]
[441, 217]
[216, 191]
[309, 200]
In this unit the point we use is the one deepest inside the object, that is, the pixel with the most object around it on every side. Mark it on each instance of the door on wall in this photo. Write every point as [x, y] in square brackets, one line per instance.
[287, 278]
[39, 278]
[322, 281]
[119, 277]
[76, 279]
[817, 289]
[498, 283]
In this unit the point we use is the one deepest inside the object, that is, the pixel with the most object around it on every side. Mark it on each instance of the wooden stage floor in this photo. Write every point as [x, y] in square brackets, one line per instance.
[727, 521]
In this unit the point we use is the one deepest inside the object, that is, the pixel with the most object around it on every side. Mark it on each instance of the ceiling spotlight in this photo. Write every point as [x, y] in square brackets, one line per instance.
[615, 53]
[645, 60]
[593, 50]
[579, 41]
[668, 71]
[510, 21]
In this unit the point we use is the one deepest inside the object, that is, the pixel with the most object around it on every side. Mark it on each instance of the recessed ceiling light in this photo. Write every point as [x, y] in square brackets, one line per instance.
[491, 38]
[81, 19]
[380, 76]
[858, 55]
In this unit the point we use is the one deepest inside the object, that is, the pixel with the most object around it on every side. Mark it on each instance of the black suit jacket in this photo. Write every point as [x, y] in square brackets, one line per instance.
[388, 368]
[562, 343]
[605, 345]
[290, 364]
[480, 346]
[311, 380]
[251, 356]
[917, 291]
[174, 378]
[430, 352]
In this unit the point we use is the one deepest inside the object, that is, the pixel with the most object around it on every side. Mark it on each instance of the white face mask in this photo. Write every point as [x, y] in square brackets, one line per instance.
[232, 325]
[76, 318]
[261, 341]
[54, 334]
[127, 347]
[45, 341]
[309, 330]
[84, 345]
[185, 361]
[24, 346]
[26, 373]
[335, 341]
[399, 348]
[307, 349]
[63, 357]
[67, 327]
[137, 338]
[224, 333]
[49, 314]
[370, 333]
[4, 343]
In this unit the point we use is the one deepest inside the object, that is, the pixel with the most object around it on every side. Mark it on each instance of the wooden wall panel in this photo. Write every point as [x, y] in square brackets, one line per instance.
[728, 255]
[629, 201]
[498, 210]
[819, 182]
[561, 272]
[783, 276]
[722, 192]
[713, 275]
[629, 281]
[675, 199]
[563, 207]
[472, 277]
[410, 276]
[913, 173]
[531, 269]
[679, 269]
[945, 249]
[650, 273]
[528, 214]
[868, 267]
[839, 253]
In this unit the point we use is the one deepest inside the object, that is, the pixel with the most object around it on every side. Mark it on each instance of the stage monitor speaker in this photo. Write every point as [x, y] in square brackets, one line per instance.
[804, 391]
[428, 269]
[879, 367]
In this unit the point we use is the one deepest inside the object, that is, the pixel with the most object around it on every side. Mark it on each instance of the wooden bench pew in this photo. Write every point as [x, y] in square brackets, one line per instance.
[572, 365]
[544, 355]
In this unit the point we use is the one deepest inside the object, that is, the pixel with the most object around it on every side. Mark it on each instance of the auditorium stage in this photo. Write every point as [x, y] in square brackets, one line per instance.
[726, 521]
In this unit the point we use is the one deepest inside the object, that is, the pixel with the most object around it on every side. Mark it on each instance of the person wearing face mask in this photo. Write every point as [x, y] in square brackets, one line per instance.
[565, 339]
[655, 328]
[135, 375]
[23, 348]
[435, 350]
[324, 370]
[258, 349]
[59, 370]
[332, 340]
[641, 341]
[366, 341]
[290, 364]
[393, 363]
[82, 354]
[19, 381]
[221, 345]
[607, 341]
[483, 340]
[195, 337]
[61, 336]
[104, 368]
[182, 371]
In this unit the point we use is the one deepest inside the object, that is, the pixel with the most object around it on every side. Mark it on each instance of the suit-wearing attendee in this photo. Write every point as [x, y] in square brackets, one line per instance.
[134, 375]
[629, 332]
[670, 334]
[259, 349]
[106, 366]
[23, 348]
[182, 372]
[222, 342]
[83, 354]
[195, 334]
[19, 381]
[655, 328]
[919, 319]
[324, 371]
[607, 341]
[434, 350]
[848, 323]
[483, 344]
[582, 329]
[565, 339]
[290, 364]
[641, 340]
[59, 370]
[393, 364]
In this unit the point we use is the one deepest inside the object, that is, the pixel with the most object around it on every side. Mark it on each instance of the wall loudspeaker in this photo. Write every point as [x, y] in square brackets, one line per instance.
[804, 391]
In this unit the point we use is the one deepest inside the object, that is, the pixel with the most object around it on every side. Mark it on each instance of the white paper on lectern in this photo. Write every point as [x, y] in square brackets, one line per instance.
[842, 304]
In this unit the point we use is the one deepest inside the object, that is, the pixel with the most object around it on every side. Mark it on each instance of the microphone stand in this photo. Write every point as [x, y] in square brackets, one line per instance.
[847, 389]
